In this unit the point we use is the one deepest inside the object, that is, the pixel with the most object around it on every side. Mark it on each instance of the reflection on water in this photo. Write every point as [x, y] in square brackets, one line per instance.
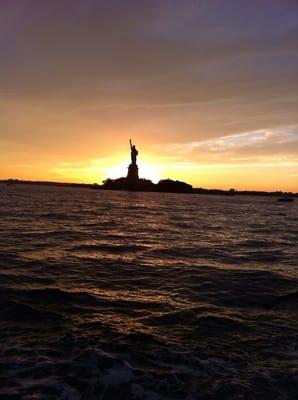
[115, 295]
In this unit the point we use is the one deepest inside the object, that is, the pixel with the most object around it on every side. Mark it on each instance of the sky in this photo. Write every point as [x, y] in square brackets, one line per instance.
[206, 89]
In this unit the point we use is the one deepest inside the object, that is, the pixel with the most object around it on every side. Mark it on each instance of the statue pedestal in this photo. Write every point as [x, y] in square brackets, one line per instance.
[133, 174]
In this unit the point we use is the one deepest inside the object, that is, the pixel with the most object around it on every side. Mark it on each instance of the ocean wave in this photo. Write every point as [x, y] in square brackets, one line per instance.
[286, 301]
[169, 374]
[19, 312]
[117, 248]
[140, 296]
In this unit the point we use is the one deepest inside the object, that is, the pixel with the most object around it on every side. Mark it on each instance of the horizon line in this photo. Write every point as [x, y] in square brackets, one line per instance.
[57, 183]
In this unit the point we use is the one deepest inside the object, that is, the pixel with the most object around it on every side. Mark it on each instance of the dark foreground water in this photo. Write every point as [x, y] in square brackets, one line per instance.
[115, 295]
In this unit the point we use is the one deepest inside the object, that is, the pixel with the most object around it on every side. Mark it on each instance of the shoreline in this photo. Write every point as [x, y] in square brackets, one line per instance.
[95, 186]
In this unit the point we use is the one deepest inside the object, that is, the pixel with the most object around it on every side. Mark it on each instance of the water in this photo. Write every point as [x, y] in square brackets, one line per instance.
[115, 295]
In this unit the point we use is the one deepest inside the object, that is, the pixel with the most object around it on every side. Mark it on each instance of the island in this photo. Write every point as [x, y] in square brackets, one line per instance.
[133, 182]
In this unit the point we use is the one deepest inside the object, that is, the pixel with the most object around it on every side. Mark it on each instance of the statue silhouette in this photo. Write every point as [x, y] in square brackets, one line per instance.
[133, 171]
[133, 153]
[133, 182]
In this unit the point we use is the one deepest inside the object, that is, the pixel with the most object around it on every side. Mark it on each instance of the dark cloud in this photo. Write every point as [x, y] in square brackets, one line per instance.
[50, 46]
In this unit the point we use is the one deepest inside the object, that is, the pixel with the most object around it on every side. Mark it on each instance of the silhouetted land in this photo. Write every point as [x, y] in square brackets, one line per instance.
[145, 185]
[132, 182]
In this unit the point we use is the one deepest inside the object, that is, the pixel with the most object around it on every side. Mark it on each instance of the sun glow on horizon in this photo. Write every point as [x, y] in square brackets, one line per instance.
[146, 170]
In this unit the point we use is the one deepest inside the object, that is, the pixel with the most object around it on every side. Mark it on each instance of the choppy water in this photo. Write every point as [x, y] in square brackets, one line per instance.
[115, 295]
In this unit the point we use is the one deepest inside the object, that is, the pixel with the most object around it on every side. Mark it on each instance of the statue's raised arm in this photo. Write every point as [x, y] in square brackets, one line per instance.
[130, 143]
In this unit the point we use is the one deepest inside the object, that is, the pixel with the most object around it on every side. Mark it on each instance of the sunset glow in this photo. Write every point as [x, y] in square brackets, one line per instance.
[146, 170]
[208, 97]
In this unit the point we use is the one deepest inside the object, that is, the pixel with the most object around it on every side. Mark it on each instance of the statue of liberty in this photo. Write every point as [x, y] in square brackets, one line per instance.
[133, 170]
[133, 153]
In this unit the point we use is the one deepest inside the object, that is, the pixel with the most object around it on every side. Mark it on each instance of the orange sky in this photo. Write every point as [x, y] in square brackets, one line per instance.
[209, 97]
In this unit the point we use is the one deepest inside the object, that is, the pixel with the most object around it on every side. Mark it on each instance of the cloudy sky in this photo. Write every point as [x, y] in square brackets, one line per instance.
[207, 89]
